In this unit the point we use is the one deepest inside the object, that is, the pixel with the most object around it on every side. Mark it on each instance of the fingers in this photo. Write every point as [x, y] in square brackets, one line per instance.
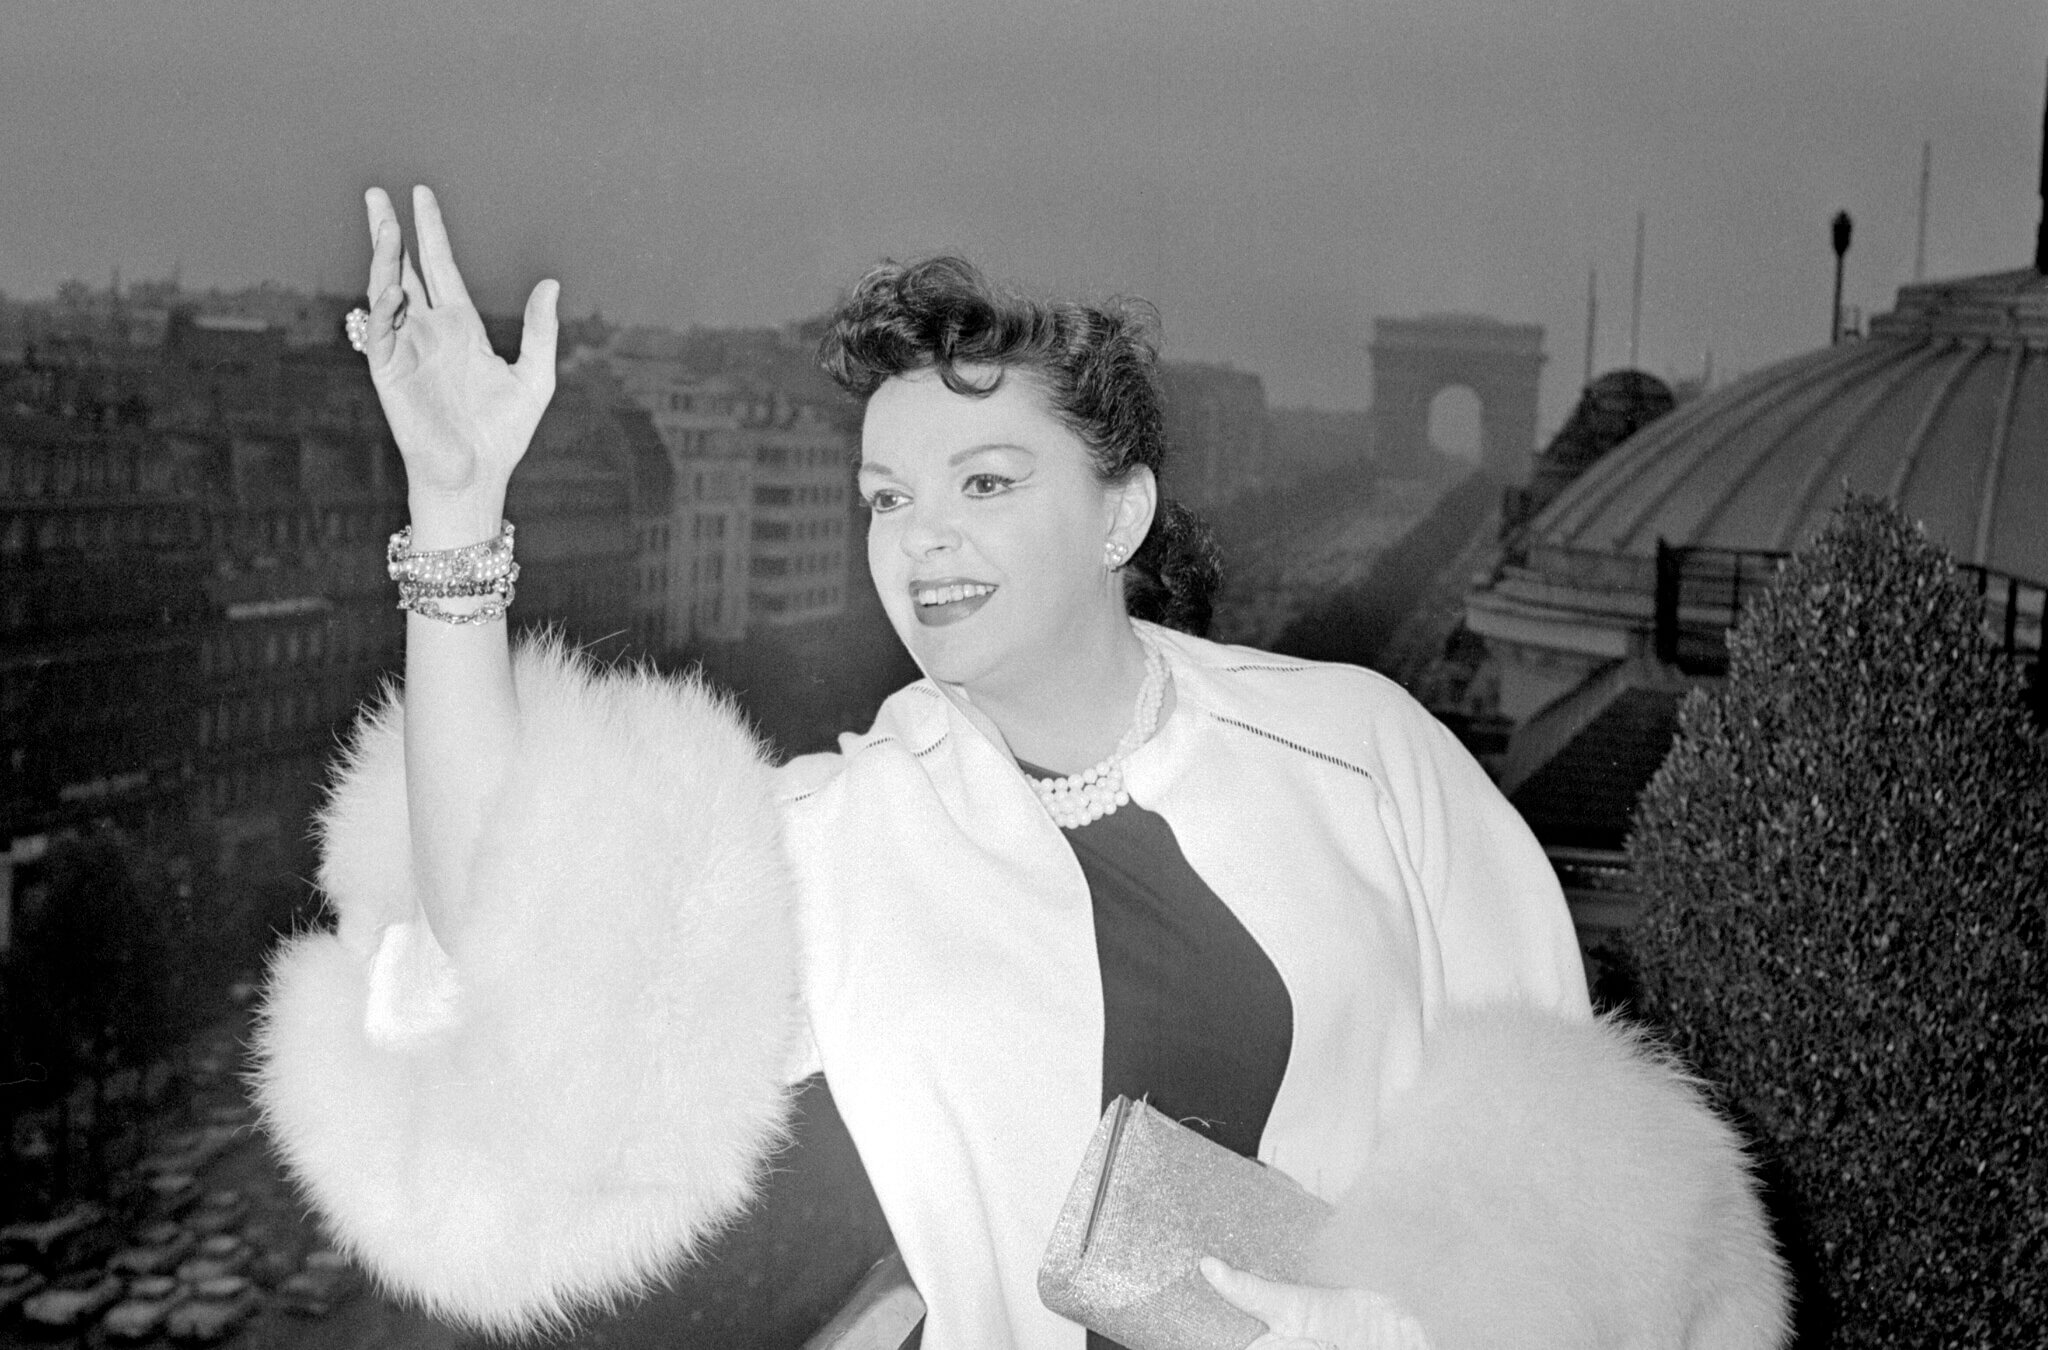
[392, 280]
[416, 292]
[1301, 1316]
[538, 335]
[383, 311]
[384, 242]
[1263, 1299]
[437, 259]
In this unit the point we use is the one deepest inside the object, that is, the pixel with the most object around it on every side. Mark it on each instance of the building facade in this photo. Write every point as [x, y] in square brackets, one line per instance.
[798, 526]
[1217, 431]
[757, 526]
[194, 605]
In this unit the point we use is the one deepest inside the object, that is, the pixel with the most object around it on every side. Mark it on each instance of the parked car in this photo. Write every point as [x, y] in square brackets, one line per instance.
[191, 1150]
[17, 1282]
[156, 1249]
[234, 1115]
[172, 1193]
[279, 1253]
[141, 1315]
[79, 1236]
[73, 1301]
[327, 1280]
[218, 1212]
[221, 1254]
[211, 1066]
[216, 1308]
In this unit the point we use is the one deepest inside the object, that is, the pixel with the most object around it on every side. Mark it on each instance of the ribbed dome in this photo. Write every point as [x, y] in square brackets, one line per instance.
[1943, 408]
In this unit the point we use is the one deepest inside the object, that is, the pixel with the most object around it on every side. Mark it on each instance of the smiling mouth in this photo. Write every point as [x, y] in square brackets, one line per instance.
[951, 602]
[950, 595]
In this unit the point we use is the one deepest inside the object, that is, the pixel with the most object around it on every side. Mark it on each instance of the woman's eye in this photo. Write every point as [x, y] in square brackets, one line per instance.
[884, 500]
[988, 484]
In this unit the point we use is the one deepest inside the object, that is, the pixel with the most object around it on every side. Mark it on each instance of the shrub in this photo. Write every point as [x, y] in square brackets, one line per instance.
[1844, 858]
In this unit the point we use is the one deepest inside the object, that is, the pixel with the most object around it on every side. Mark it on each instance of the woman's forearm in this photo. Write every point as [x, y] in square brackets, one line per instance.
[461, 717]
[462, 418]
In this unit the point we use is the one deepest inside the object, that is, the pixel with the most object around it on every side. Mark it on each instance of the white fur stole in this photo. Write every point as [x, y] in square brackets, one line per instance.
[1553, 1184]
[590, 1087]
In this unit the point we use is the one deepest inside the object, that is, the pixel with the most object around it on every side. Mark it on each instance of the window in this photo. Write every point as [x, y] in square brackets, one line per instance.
[772, 496]
[771, 529]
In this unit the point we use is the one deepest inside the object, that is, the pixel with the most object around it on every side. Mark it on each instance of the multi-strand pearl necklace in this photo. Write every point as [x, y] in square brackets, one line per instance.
[1095, 792]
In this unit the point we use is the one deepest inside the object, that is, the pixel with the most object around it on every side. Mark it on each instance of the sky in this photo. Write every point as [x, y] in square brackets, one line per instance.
[1271, 174]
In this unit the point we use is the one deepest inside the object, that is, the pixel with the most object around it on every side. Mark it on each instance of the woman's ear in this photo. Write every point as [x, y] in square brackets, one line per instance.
[1132, 504]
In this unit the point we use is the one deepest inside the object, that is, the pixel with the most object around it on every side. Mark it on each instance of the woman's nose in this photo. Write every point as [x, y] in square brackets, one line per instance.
[928, 531]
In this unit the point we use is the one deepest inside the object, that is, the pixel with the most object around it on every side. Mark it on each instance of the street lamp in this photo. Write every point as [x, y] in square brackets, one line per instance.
[1841, 230]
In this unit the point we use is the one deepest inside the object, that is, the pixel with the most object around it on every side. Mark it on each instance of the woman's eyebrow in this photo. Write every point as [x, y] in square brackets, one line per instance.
[971, 451]
[874, 468]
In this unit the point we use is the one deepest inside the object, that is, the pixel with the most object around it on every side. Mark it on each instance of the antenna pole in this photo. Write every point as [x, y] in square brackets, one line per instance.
[1635, 314]
[1592, 321]
[1926, 178]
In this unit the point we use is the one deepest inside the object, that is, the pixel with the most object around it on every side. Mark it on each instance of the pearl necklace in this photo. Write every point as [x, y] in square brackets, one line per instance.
[1095, 792]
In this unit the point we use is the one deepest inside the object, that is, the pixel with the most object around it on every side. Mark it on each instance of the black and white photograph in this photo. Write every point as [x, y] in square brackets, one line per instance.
[1173, 675]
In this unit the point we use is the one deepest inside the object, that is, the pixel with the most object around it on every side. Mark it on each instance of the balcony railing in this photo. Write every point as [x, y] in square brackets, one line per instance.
[1701, 591]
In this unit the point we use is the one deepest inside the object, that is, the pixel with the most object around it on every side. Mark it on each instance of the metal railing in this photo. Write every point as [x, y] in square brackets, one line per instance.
[1701, 592]
[884, 1312]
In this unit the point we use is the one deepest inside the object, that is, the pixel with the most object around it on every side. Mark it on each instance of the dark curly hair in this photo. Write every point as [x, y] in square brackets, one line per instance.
[1096, 364]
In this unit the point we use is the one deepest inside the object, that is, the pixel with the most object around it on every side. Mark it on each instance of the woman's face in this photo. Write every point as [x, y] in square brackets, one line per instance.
[988, 527]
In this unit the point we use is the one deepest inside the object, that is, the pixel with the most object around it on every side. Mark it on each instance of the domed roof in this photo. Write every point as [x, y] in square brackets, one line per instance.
[1943, 408]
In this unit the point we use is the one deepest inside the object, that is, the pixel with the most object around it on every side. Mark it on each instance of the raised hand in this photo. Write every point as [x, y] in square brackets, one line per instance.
[462, 416]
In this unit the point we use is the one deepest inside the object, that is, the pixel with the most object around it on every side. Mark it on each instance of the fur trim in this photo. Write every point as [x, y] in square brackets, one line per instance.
[625, 1010]
[1556, 1183]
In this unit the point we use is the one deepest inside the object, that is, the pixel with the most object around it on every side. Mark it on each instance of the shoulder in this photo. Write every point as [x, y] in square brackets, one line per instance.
[1344, 711]
[909, 722]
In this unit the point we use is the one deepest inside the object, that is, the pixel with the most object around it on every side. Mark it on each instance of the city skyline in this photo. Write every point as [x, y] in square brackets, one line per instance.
[1274, 179]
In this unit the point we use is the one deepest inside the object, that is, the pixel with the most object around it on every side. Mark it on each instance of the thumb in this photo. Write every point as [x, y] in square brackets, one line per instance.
[1271, 1303]
[538, 333]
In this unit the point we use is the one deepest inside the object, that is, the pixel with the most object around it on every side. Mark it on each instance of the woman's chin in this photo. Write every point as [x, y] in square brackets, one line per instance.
[946, 662]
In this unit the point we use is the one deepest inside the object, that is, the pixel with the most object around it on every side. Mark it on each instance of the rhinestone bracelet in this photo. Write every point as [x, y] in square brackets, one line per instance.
[486, 561]
[450, 590]
[425, 604]
[430, 575]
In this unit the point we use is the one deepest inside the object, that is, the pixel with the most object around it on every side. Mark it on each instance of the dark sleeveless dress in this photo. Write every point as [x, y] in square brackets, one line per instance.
[1196, 1019]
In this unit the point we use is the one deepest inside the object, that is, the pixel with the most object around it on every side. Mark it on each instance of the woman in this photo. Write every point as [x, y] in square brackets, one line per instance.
[587, 936]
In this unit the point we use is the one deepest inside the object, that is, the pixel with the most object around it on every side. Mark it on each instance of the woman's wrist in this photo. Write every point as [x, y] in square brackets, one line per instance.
[442, 521]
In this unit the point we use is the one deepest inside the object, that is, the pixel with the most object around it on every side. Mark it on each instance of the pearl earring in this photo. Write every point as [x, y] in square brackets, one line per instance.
[1112, 555]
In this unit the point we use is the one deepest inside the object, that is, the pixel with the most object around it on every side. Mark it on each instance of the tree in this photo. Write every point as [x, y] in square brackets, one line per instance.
[1845, 860]
[99, 978]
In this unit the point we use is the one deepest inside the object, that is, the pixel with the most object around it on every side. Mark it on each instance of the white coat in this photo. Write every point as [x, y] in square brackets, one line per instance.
[508, 1151]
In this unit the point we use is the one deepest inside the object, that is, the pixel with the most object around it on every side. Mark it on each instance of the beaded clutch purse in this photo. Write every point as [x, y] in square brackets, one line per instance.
[1151, 1199]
